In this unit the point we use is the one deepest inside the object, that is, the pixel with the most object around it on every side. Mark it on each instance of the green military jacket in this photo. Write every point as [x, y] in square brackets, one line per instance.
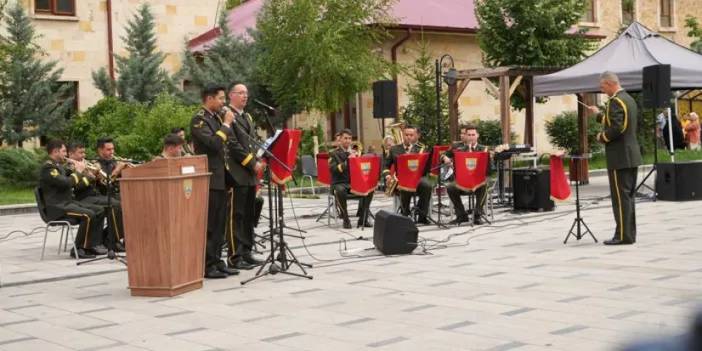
[57, 187]
[619, 122]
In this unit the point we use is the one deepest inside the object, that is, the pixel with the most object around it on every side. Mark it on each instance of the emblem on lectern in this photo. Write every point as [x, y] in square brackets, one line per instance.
[188, 188]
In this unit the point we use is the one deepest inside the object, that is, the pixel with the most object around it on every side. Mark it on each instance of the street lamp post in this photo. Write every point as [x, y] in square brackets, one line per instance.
[450, 79]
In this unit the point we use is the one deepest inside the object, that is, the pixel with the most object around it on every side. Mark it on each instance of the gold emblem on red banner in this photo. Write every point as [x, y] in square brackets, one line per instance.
[413, 165]
[471, 163]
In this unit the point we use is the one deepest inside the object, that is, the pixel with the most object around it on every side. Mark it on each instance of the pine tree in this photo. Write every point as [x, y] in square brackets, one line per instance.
[140, 76]
[32, 100]
[421, 92]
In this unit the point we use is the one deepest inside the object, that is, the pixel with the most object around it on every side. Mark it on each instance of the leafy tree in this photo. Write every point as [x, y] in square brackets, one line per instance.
[695, 32]
[315, 54]
[562, 131]
[531, 33]
[421, 92]
[32, 100]
[490, 131]
[140, 76]
[230, 4]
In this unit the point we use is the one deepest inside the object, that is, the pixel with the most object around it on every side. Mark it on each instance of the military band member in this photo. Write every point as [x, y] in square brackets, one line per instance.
[243, 165]
[469, 142]
[57, 187]
[210, 134]
[187, 149]
[90, 195]
[339, 169]
[410, 145]
[110, 166]
[172, 146]
[619, 121]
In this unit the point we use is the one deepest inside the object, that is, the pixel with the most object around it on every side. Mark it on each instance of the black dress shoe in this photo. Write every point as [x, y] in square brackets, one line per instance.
[214, 273]
[347, 224]
[477, 221]
[226, 270]
[241, 265]
[423, 220]
[617, 242]
[459, 220]
[248, 258]
[119, 247]
[81, 254]
[99, 250]
[367, 224]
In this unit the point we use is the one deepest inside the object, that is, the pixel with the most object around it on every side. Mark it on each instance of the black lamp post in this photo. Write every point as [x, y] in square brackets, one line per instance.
[450, 79]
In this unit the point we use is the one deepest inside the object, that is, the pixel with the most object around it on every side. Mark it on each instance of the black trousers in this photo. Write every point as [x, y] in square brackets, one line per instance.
[114, 216]
[341, 194]
[622, 186]
[242, 216]
[258, 210]
[455, 193]
[216, 220]
[92, 219]
[424, 196]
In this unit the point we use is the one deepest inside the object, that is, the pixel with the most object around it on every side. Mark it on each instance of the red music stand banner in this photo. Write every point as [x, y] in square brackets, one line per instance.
[285, 149]
[560, 189]
[410, 169]
[470, 169]
[436, 158]
[259, 176]
[364, 172]
[323, 175]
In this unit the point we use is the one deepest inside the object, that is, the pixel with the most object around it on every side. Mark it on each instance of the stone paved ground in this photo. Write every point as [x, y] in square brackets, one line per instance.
[509, 286]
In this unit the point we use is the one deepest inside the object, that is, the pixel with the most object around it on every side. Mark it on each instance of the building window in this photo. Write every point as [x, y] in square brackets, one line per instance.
[589, 12]
[628, 11]
[346, 117]
[55, 7]
[666, 11]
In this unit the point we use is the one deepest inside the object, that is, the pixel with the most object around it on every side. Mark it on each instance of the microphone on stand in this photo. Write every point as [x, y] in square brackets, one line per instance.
[271, 129]
[264, 105]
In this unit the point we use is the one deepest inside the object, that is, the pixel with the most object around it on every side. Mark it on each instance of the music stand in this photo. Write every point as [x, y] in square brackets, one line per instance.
[463, 156]
[578, 221]
[277, 225]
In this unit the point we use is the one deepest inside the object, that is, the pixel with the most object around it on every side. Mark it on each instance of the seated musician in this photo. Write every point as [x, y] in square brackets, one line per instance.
[339, 169]
[89, 194]
[172, 146]
[469, 142]
[410, 136]
[109, 165]
[57, 187]
[187, 149]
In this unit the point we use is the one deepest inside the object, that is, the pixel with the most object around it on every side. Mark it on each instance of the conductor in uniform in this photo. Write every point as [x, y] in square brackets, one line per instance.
[619, 120]
[410, 145]
[243, 166]
[57, 187]
[210, 133]
[341, 180]
[469, 142]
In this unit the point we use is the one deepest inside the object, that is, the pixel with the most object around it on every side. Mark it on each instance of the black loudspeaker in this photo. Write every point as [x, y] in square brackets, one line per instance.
[656, 86]
[679, 181]
[532, 189]
[385, 99]
[394, 234]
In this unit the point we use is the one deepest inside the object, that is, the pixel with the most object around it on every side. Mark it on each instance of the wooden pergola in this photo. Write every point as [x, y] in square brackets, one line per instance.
[510, 79]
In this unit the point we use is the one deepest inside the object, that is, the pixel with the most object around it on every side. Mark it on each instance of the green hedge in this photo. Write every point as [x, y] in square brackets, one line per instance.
[562, 131]
[19, 167]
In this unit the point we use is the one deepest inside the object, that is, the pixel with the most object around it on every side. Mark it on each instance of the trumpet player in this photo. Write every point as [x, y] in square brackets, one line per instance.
[57, 186]
[90, 195]
[341, 181]
[110, 166]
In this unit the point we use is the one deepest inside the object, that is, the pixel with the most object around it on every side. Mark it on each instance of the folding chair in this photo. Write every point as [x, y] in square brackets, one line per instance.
[309, 171]
[65, 224]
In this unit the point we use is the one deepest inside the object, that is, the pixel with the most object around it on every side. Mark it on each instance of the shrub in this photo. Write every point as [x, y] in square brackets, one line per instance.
[562, 131]
[490, 132]
[19, 167]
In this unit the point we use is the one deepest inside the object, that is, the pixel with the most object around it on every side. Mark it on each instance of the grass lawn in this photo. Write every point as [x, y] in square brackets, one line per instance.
[10, 195]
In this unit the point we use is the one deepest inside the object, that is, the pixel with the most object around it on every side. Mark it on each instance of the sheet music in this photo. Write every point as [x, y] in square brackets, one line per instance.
[267, 144]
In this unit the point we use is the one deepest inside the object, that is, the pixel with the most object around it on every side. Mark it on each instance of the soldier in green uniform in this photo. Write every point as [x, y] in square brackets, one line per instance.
[341, 180]
[110, 166]
[243, 166]
[186, 149]
[89, 194]
[57, 187]
[469, 142]
[619, 120]
[411, 145]
[210, 133]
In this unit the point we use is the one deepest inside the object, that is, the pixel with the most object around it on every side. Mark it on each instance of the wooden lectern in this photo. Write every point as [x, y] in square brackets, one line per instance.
[164, 205]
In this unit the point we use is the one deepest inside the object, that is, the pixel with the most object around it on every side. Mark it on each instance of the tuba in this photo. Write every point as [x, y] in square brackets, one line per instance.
[396, 131]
